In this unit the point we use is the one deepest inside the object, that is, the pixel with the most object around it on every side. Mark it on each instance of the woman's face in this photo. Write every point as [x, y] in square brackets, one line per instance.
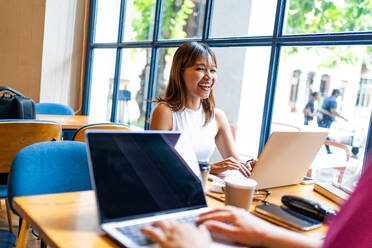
[200, 78]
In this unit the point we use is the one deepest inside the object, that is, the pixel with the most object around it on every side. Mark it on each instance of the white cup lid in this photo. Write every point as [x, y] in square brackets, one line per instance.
[241, 182]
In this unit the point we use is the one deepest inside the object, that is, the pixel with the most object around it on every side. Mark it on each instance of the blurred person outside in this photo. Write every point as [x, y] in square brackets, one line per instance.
[328, 112]
[309, 111]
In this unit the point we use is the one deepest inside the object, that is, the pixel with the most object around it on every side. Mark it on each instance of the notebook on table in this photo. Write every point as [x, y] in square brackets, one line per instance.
[285, 158]
[139, 178]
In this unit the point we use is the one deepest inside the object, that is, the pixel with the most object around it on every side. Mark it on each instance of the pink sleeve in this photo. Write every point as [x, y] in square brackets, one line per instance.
[352, 227]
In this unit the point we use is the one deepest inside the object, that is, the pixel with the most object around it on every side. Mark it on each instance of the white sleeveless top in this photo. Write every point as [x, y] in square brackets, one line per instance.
[202, 137]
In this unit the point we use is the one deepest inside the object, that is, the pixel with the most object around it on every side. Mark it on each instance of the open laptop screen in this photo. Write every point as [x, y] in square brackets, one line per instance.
[139, 174]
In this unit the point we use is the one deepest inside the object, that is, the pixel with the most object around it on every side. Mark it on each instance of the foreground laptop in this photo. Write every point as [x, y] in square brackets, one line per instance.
[139, 178]
[285, 158]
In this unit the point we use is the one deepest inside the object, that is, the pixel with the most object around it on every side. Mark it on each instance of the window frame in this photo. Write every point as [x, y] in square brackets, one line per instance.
[276, 42]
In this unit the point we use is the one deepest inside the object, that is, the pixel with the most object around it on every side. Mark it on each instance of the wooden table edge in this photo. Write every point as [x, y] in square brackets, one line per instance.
[23, 214]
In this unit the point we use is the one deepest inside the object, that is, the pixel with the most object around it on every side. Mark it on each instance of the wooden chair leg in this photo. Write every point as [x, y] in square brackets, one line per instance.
[23, 235]
[9, 213]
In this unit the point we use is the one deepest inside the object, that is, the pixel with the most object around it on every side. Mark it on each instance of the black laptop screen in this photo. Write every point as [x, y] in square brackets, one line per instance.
[140, 174]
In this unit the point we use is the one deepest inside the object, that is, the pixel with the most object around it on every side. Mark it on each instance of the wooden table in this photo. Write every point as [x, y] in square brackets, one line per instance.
[70, 219]
[305, 191]
[70, 121]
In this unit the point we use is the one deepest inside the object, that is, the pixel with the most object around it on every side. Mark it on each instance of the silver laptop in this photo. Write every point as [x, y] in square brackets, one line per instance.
[139, 178]
[285, 158]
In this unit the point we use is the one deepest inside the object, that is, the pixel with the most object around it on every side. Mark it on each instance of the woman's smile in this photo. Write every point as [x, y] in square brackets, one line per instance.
[205, 86]
[200, 78]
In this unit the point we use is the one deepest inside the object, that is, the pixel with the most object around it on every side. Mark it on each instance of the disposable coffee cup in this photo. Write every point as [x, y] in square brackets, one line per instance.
[239, 191]
[204, 171]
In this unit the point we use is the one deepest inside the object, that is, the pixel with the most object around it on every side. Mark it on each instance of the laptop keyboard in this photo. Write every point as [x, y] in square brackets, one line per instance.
[134, 232]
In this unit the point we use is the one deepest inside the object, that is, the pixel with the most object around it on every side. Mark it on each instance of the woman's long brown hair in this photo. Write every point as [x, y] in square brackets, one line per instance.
[175, 93]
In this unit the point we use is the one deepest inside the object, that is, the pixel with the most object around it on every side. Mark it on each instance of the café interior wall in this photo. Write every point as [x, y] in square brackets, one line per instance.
[21, 45]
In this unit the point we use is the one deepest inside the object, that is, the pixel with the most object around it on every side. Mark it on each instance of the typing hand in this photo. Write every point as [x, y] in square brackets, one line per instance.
[170, 234]
[236, 224]
[250, 164]
[231, 163]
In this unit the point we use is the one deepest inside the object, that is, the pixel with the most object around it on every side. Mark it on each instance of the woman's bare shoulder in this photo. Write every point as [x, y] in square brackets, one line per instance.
[163, 109]
[221, 118]
[161, 117]
[219, 114]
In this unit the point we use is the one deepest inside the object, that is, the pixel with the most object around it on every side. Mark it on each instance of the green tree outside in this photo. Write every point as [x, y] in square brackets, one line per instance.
[322, 16]
[174, 20]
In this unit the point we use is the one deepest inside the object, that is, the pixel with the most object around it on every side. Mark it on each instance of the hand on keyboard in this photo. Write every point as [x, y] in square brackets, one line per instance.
[171, 234]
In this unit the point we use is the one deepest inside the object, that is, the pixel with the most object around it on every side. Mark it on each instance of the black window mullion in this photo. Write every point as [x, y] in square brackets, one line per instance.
[286, 40]
[272, 76]
[207, 20]
[116, 88]
[152, 86]
[89, 56]
[154, 59]
[279, 18]
[327, 39]
[269, 96]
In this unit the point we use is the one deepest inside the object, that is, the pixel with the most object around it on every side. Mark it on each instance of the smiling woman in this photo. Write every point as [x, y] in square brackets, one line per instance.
[188, 105]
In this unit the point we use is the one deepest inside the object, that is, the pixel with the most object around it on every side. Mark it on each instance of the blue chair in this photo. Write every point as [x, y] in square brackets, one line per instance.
[56, 109]
[7, 239]
[47, 168]
[53, 109]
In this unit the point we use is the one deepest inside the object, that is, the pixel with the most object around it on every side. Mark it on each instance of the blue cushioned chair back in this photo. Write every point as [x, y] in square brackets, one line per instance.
[49, 167]
[53, 109]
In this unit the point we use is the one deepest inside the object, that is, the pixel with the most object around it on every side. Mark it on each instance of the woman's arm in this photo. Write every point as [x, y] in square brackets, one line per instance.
[161, 118]
[224, 139]
[239, 225]
[226, 146]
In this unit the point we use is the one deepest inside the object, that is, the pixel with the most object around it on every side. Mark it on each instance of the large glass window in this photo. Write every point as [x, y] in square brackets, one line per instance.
[133, 87]
[107, 16]
[243, 18]
[164, 66]
[272, 56]
[325, 69]
[103, 73]
[240, 91]
[139, 20]
[319, 16]
[182, 19]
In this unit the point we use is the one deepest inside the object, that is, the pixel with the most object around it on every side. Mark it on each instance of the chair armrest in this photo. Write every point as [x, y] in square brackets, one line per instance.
[339, 145]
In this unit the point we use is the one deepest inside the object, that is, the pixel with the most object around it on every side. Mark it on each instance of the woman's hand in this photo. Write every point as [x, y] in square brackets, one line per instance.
[170, 234]
[231, 163]
[247, 229]
[236, 224]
